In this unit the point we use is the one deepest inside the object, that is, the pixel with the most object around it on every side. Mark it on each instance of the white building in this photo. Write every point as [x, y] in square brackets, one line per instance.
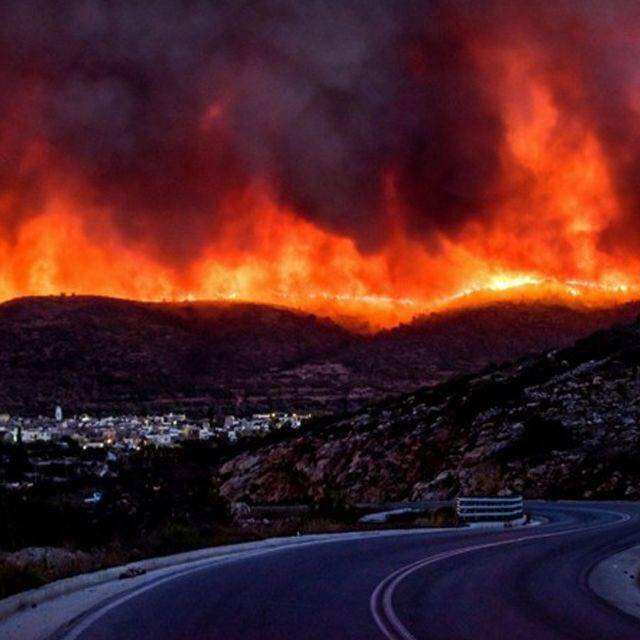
[159, 439]
[33, 435]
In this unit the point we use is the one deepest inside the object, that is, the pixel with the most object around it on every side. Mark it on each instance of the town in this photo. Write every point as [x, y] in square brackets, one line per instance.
[83, 452]
[131, 432]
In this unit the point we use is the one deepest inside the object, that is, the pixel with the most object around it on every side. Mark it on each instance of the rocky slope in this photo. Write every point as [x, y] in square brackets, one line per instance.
[561, 424]
[104, 355]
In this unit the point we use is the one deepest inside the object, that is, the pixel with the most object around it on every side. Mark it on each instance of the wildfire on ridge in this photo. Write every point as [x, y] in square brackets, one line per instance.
[292, 263]
[492, 156]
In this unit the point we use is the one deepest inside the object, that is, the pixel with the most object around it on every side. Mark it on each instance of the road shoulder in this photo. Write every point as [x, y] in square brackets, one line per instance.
[615, 579]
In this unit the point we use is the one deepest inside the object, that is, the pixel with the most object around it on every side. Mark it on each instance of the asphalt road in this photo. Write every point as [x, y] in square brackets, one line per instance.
[519, 584]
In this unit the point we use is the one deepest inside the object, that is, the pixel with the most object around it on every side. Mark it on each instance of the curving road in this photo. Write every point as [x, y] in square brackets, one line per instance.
[518, 584]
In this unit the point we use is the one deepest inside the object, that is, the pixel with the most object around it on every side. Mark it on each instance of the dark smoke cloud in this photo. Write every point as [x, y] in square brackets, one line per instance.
[321, 100]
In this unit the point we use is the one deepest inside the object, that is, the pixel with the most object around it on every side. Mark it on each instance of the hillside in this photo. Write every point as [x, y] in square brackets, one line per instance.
[564, 423]
[101, 354]
[439, 345]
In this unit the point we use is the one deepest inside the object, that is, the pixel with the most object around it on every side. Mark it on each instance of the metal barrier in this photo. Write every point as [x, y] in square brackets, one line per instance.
[498, 510]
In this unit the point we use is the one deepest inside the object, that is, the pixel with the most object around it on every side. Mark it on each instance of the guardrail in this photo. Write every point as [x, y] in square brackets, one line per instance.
[474, 509]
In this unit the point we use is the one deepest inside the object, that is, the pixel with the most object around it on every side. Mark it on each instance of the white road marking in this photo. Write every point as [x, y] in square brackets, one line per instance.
[397, 576]
[381, 601]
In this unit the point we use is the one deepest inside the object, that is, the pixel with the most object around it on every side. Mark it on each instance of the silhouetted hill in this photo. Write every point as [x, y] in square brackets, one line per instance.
[465, 340]
[101, 354]
[92, 352]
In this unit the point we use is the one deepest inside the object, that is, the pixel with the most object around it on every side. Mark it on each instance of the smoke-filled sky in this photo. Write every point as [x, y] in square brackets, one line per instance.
[369, 157]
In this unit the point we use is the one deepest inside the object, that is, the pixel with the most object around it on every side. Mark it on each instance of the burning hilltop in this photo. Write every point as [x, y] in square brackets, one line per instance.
[371, 159]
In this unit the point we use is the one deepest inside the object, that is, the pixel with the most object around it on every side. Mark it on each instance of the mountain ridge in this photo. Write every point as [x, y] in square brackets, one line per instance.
[97, 354]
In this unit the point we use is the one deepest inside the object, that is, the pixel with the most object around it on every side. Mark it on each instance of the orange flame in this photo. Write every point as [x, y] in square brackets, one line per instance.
[542, 240]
